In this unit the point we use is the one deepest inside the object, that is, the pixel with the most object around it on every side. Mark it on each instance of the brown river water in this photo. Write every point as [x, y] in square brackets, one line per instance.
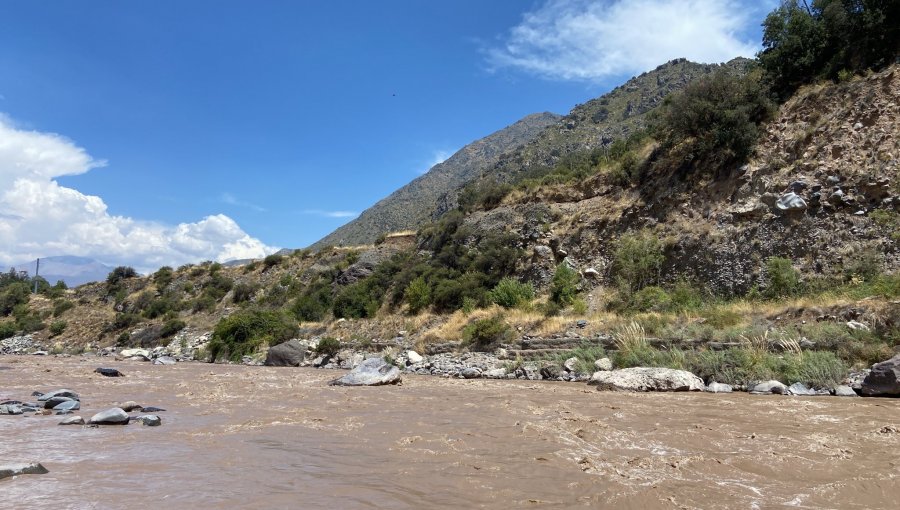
[259, 437]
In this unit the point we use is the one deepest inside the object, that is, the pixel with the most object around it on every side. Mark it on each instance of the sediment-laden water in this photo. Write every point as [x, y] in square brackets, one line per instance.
[259, 437]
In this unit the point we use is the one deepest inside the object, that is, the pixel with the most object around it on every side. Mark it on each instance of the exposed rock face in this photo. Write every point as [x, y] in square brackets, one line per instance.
[647, 379]
[883, 380]
[371, 372]
[286, 354]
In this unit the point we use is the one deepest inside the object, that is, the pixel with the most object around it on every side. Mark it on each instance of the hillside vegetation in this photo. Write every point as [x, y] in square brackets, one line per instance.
[741, 221]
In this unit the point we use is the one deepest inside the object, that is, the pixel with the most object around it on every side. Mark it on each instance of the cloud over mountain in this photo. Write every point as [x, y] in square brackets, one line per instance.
[39, 217]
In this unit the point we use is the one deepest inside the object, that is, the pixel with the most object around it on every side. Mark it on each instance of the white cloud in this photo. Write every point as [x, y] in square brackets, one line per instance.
[38, 217]
[590, 40]
[331, 214]
[230, 199]
[438, 157]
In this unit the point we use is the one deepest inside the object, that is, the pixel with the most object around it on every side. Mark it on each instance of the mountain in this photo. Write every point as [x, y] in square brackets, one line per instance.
[68, 268]
[411, 206]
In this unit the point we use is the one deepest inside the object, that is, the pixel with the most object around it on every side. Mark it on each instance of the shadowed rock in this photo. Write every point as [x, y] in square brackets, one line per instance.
[286, 354]
[113, 416]
[108, 372]
[34, 468]
[371, 372]
[884, 379]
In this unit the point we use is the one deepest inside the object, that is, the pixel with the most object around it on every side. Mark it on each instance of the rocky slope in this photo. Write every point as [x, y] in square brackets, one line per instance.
[410, 207]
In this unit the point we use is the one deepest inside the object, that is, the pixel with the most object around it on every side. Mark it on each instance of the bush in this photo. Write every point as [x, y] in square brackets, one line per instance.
[783, 279]
[57, 327]
[217, 286]
[564, 286]
[243, 292]
[125, 320]
[203, 303]
[163, 277]
[485, 333]
[244, 331]
[314, 303]
[637, 260]
[171, 327]
[417, 295]
[271, 261]
[13, 295]
[356, 302]
[510, 293]
[61, 307]
[649, 299]
[328, 346]
[7, 329]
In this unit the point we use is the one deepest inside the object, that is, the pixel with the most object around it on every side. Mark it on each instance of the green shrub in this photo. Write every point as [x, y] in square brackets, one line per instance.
[243, 292]
[244, 331]
[271, 261]
[417, 295]
[783, 279]
[214, 268]
[314, 303]
[564, 285]
[510, 293]
[865, 265]
[162, 305]
[123, 339]
[817, 369]
[61, 307]
[57, 327]
[163, 277]
[27, 321]
[637, 260]
[7, 329]
[328, 346]
[355, 302]
[172, 326]
[649, 299]
[203, 303]
[13, 295]
[485, 333]
[217, 286]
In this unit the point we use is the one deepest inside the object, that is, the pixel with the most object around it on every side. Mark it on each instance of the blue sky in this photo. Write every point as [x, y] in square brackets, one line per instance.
[167, 130]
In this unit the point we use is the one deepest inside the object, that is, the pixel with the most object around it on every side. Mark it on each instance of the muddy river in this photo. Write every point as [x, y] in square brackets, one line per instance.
[257, 437]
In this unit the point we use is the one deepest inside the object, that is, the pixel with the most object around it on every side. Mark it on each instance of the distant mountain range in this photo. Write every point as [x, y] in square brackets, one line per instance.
[68, 268]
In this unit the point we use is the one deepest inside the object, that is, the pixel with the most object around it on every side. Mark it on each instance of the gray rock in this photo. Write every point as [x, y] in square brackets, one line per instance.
[150, 420]
[151, 409]
[414, 357]
[34, 468]
[844, 391]
[69, 405]
[131, 405]
[470, 373]
[604, 364]
[496, 373]
[570, 364]
[543, 252]
[884, 379]
[73, 420]
[800, 390]
[131, 353]
[11, 409]
[286, 354]
[57, 393]
[371, 372]
[647, 379]
[108, 372]
[112, 416]
[767, 388]
[164, 360]
[50, 403]
[857, 326]
[855, 379]
[715, 387]
[790, 202]
[550, 371]
[591, 273]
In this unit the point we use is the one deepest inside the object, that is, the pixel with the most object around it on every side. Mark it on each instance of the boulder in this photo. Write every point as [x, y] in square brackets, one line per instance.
[844, 391]
[800, 390]
[857, 326]
[371, 372]
[69, 405]
[112, 416]
[149, 420]
[496, 373]
[11, 409]
[73, 420]
[883, 380]
[414, 357]
[108, 372]
[50, 403]
[591, 273]
[164, 360]
[570, 364]
[34, 468]
[550, 371]
[151, 409]
[57, 393]
[130, 353]
[647, 379]
[715, 387]
[470, 373]
[790, 202]
[604, 364]
[131, 405]
[767, 388]
[286, 354]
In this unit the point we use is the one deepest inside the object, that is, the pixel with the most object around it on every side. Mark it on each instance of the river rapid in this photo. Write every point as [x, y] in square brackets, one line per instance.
[260, 437]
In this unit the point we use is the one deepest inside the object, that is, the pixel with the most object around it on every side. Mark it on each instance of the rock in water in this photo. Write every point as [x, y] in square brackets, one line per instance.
[844, 391]
[50, 403]
[164, 360]
[150, 420]
[69, 405]
[286, 354]
[108, 372]
[113, 416]
[12, 409]
[647, 379]
[131, 406]
[58, 393]
[883, 380]
[73, 420]
[800, 390]
[151, 409]
[34, 468]
[768, 387]
[371, 372]
[715, 387]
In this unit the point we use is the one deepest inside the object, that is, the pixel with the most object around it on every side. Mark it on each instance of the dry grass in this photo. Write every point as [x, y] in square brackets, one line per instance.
[631, 338]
